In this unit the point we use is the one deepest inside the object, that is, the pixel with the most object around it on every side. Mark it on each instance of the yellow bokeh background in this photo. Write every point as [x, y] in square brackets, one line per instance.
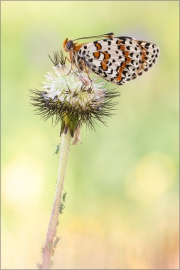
[122, 182]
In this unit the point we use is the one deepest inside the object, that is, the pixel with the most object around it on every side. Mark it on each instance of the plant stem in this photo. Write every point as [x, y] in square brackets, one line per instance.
[47, 249]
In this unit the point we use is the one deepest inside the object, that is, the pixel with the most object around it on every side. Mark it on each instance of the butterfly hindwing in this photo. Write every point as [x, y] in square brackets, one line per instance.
[119, 59]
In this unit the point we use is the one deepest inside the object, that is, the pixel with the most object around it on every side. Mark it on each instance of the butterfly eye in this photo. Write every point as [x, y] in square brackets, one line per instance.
[69, 45]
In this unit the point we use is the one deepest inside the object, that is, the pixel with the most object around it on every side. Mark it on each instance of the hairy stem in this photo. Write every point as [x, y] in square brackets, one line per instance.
[47, 249]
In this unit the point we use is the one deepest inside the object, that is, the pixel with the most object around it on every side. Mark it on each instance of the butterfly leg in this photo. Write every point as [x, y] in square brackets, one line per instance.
[66, 58]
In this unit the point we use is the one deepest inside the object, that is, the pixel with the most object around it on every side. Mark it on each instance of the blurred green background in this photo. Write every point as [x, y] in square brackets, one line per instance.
[122, 182]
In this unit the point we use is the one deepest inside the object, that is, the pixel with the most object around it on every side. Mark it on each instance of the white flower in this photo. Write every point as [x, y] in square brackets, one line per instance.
[79, 91]
[71, 97]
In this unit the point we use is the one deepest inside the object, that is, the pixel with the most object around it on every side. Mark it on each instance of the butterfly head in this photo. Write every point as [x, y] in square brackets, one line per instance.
[71, 46]
[68, 45]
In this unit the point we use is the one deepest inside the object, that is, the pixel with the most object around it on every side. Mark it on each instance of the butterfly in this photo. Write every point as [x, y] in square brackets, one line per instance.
[115, 59]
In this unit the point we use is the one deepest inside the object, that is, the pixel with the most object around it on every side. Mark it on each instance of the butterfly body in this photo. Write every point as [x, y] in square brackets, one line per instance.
[115, 59]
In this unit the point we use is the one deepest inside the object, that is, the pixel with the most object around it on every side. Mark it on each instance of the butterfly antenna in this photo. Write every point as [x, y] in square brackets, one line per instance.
[109, 35]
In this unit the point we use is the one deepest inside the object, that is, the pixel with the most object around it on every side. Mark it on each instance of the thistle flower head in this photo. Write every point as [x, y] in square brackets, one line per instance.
[72, 97]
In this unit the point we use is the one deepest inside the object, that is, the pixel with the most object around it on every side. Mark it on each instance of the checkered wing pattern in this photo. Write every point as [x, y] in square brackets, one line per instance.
[118, 59]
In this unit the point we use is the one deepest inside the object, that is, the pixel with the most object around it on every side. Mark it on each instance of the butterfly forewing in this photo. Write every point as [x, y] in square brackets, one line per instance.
[119, 59]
